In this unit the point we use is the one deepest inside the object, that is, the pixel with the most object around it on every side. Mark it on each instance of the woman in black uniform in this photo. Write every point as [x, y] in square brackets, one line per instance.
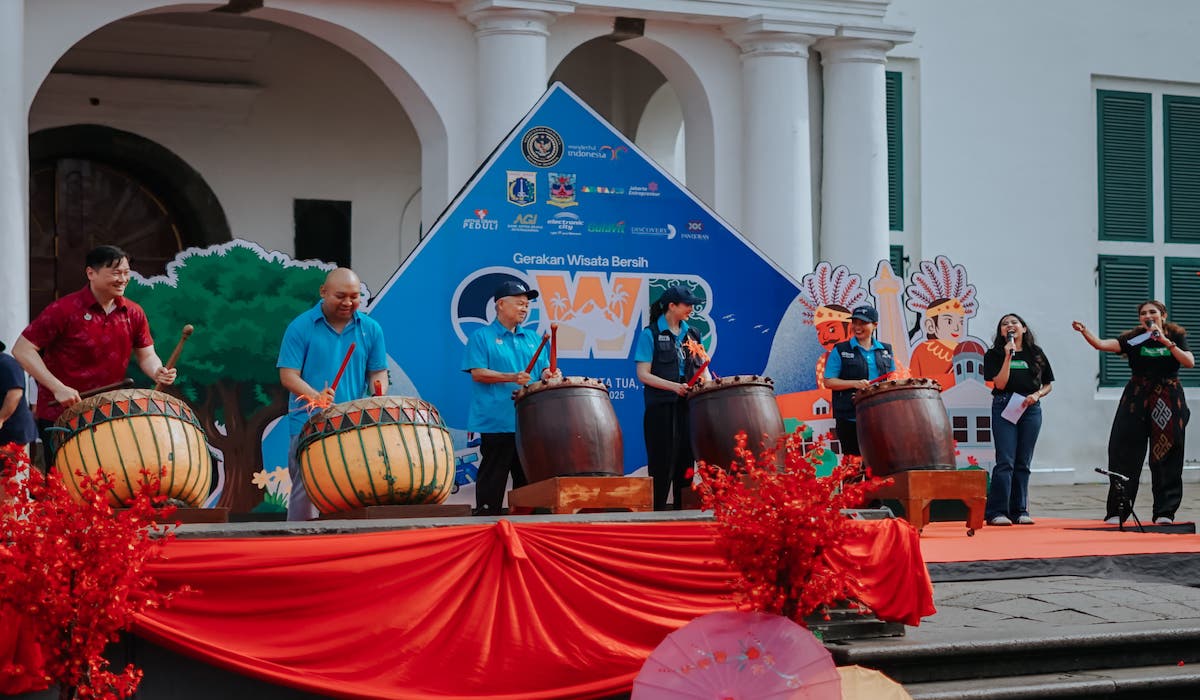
[664, 365]
[1152, 411]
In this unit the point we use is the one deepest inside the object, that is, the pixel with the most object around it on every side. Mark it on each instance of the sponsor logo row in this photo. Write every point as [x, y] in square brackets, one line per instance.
[567, 223]
[521, 189]
[543, 147]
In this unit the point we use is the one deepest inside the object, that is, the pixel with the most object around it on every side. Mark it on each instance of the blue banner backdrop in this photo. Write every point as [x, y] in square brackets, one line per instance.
[571, 207]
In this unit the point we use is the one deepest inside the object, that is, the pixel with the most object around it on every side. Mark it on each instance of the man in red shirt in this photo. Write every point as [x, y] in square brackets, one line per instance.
[83, 340]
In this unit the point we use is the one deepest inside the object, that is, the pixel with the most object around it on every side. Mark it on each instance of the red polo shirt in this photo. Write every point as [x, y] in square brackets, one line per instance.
[83, 346]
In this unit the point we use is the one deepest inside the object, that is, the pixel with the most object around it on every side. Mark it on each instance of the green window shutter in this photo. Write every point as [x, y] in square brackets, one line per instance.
[896, 258]
[1125, 282]
[1181, 168]
[1183, 304]
[895, 144]
[1124, 160]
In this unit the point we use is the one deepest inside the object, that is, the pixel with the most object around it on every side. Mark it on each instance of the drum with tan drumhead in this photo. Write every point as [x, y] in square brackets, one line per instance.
[376, 451]
[720, 409]
[123, 432]
[903, 426]
[567, 427]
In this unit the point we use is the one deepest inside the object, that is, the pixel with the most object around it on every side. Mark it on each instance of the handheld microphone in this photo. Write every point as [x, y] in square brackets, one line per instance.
[1153, 332]
[1011, 335]
[1105, 472]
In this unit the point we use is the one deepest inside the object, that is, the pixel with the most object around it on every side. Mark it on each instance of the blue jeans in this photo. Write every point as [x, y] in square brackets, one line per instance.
[1009, 492]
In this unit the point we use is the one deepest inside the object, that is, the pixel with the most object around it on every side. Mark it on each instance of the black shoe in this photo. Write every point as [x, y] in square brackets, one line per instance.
[483, 511]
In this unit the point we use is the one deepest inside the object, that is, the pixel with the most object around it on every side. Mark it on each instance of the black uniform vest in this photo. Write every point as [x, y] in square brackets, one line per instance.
[854, 366]
[665, 364]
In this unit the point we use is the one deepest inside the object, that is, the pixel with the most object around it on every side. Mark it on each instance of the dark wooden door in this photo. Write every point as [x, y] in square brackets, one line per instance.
[77, 204]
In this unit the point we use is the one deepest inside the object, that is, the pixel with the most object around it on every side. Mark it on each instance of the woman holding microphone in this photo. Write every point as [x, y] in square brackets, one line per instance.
[1020, 374]
[1152, 411]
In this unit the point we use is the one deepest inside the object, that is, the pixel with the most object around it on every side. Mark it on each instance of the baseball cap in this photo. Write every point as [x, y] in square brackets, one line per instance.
[865, 313]
[513, 288]
[679, 295]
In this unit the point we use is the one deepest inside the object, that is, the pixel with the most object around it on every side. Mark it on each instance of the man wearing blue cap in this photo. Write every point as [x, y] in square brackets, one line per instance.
[853, 365]
[496, 356]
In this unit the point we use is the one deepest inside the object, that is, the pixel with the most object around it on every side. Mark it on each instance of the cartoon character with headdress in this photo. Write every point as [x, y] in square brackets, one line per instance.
[943, 301]
[826, 296]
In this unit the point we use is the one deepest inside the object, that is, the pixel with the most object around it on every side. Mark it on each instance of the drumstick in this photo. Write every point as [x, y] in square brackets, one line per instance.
[187, 333]
[123, 384]
[699, 373]
[533, 360]
[553, 348]
[345, 361]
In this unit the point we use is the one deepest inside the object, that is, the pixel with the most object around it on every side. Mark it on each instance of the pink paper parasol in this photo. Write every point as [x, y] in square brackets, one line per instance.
[739, 656]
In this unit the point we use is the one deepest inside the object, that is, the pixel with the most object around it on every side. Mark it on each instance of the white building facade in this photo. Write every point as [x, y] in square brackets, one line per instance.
[839, 130]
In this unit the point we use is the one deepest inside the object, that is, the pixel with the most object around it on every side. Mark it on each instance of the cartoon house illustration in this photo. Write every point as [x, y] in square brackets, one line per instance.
[969, 403]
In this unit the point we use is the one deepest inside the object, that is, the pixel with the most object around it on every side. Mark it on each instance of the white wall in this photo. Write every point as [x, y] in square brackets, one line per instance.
[1008, 172]
[321, 126]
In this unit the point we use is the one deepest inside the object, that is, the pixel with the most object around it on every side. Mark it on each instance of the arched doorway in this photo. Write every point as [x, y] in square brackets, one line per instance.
[91, 185]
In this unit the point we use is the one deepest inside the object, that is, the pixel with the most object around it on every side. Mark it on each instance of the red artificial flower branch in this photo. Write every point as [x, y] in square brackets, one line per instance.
[73, 571]
[776, 520]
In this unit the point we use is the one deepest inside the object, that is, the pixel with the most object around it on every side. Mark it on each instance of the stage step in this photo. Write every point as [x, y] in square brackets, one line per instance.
[1172, 682]
[1120, 660]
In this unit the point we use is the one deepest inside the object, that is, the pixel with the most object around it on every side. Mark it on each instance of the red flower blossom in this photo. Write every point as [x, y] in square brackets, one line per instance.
[73, 570]
[776, 519]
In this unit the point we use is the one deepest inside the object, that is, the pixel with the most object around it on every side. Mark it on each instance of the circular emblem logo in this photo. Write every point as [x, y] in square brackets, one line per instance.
[542, 146]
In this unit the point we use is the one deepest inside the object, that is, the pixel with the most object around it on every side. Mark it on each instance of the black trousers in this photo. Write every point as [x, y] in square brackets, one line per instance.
[1152, 413]
[498, 460]
[847, 434]
[47, 460]
[668, 451]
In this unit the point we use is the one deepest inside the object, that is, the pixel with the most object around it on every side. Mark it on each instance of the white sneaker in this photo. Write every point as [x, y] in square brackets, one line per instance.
[1163, 520]
[1113, 520]
[1000, 520]
[1024, 520]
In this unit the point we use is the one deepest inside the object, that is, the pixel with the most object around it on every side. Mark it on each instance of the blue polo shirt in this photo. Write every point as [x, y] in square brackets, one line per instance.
[312, 346]
[496, 348]
[644, 352]
[833, 366]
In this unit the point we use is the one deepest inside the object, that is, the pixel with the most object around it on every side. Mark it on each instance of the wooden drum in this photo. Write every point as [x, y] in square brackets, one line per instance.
[376, 451]
[720, 409]
[567, 427]
[122, 432]
[903, 426]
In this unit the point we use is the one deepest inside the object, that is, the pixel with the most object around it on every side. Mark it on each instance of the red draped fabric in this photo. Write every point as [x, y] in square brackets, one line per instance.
[503, 610]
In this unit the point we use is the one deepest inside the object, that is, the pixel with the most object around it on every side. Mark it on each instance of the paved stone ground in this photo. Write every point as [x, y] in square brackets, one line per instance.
[1087, 501]
[1050, 604]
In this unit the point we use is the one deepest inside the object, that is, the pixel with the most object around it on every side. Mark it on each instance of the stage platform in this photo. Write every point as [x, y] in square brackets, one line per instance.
[1051, 547]
[450, 582]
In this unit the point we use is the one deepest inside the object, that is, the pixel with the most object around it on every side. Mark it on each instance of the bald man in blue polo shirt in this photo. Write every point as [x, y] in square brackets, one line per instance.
[496, 356]
[313, 348]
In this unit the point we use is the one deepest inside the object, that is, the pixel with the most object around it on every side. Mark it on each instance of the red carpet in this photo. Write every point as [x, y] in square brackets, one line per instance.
[1050, 538]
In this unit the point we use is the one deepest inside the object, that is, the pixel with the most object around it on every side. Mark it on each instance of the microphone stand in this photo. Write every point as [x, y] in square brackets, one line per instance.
[1124, 505]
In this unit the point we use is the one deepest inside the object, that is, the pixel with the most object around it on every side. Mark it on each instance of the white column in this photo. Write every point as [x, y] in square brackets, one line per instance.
[777, 181]
[512, 66]
[14, 174]
[854, 187]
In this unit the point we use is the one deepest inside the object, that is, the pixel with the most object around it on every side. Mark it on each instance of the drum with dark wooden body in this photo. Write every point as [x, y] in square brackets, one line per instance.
[903, 426]
[376, 451]
[720, 409]
[567, 427]
[123, 432]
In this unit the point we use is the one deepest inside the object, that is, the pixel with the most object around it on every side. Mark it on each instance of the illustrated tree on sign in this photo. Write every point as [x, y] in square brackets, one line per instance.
[240, 299]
